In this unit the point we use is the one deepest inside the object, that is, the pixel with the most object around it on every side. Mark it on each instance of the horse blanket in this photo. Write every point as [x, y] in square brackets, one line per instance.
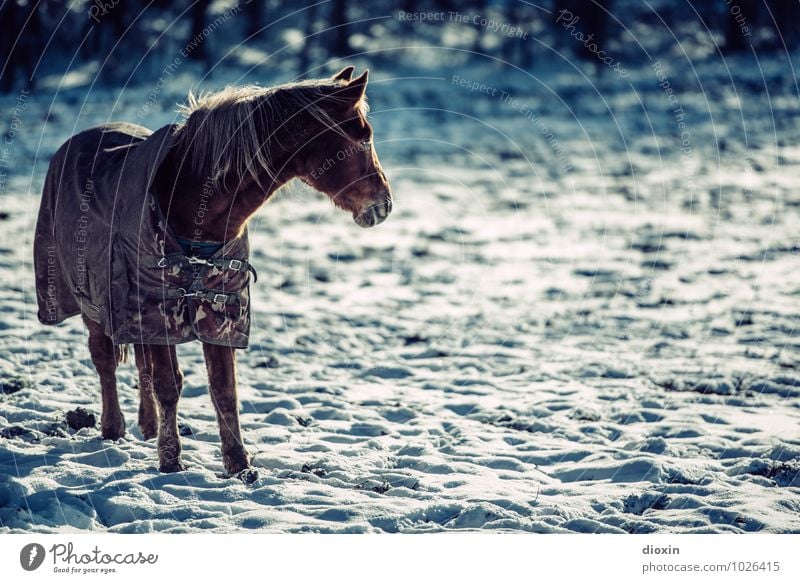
[103, 248]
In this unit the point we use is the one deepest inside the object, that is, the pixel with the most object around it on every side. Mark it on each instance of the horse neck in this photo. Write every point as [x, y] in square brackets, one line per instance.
[198, 209]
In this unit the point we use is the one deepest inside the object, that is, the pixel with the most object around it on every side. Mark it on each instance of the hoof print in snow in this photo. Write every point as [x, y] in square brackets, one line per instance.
[185, 430]
[247, 476]
[280, 416]
[12, 385]
[387, 372]
[705, 386]
[639, 504]
[585, 415]
[311, 469]
[375, 486]
[56, 429]
[343, 256]
[14, 431]
[80, 418]
[269, 362]
[303, 421]
[785, 475]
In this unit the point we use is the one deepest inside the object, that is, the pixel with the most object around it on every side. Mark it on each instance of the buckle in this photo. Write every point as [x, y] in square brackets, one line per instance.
[235, 264]
[220, 298]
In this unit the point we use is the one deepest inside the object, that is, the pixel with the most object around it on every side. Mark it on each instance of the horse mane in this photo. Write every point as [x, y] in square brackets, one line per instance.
[234, 131]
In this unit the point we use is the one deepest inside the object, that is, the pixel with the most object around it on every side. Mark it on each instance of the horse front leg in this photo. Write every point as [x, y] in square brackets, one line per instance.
[167, 385]
[221, 366]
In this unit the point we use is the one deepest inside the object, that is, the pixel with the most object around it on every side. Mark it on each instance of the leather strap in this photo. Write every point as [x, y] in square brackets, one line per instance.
[184, 261]
[216, 296]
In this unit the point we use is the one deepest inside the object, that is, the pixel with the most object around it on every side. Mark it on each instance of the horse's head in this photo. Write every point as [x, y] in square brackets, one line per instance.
[337, 156]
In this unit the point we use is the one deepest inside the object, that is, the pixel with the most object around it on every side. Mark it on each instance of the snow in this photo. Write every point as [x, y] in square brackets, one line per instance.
[612, 348]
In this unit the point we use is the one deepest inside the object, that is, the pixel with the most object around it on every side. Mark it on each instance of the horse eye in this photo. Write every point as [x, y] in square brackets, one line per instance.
[366, 144]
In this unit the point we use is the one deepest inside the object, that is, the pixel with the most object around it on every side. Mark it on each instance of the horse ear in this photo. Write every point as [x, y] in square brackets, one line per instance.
[345, 74]
[354, 91]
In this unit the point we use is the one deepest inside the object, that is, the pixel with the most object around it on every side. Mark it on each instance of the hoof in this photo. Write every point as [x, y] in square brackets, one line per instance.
[113, 429]
[248, 475]
[148, 422]
[236, 462]
[171, 467]
[149, 432]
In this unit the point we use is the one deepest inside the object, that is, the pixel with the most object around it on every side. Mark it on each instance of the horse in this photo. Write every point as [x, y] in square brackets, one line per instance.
[230, 153]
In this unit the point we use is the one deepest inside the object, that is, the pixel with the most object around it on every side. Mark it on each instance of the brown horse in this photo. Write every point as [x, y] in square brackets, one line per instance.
[237, 147]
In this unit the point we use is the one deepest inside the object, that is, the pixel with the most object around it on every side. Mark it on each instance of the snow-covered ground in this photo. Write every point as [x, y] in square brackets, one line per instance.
[589, 331]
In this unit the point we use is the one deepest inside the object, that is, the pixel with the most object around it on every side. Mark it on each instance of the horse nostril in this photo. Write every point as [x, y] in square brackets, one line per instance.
[385, 205]
[376, 210]
[383, 210]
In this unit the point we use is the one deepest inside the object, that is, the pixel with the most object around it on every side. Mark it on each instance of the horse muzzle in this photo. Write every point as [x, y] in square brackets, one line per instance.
[375, 213]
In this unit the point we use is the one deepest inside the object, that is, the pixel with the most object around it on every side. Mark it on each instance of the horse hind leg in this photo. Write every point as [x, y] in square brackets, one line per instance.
[105, 357]
[148, 410]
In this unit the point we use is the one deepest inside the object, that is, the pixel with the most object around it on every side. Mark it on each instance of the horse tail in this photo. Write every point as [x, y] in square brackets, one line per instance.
[122, 353]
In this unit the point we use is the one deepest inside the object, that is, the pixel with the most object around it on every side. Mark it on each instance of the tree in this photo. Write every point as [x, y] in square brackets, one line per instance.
[256, 14]
[480, 9]
[308, 39]
[340, 43]
[196, 41]
[518, 49]
[787, 23]
[742, 17]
